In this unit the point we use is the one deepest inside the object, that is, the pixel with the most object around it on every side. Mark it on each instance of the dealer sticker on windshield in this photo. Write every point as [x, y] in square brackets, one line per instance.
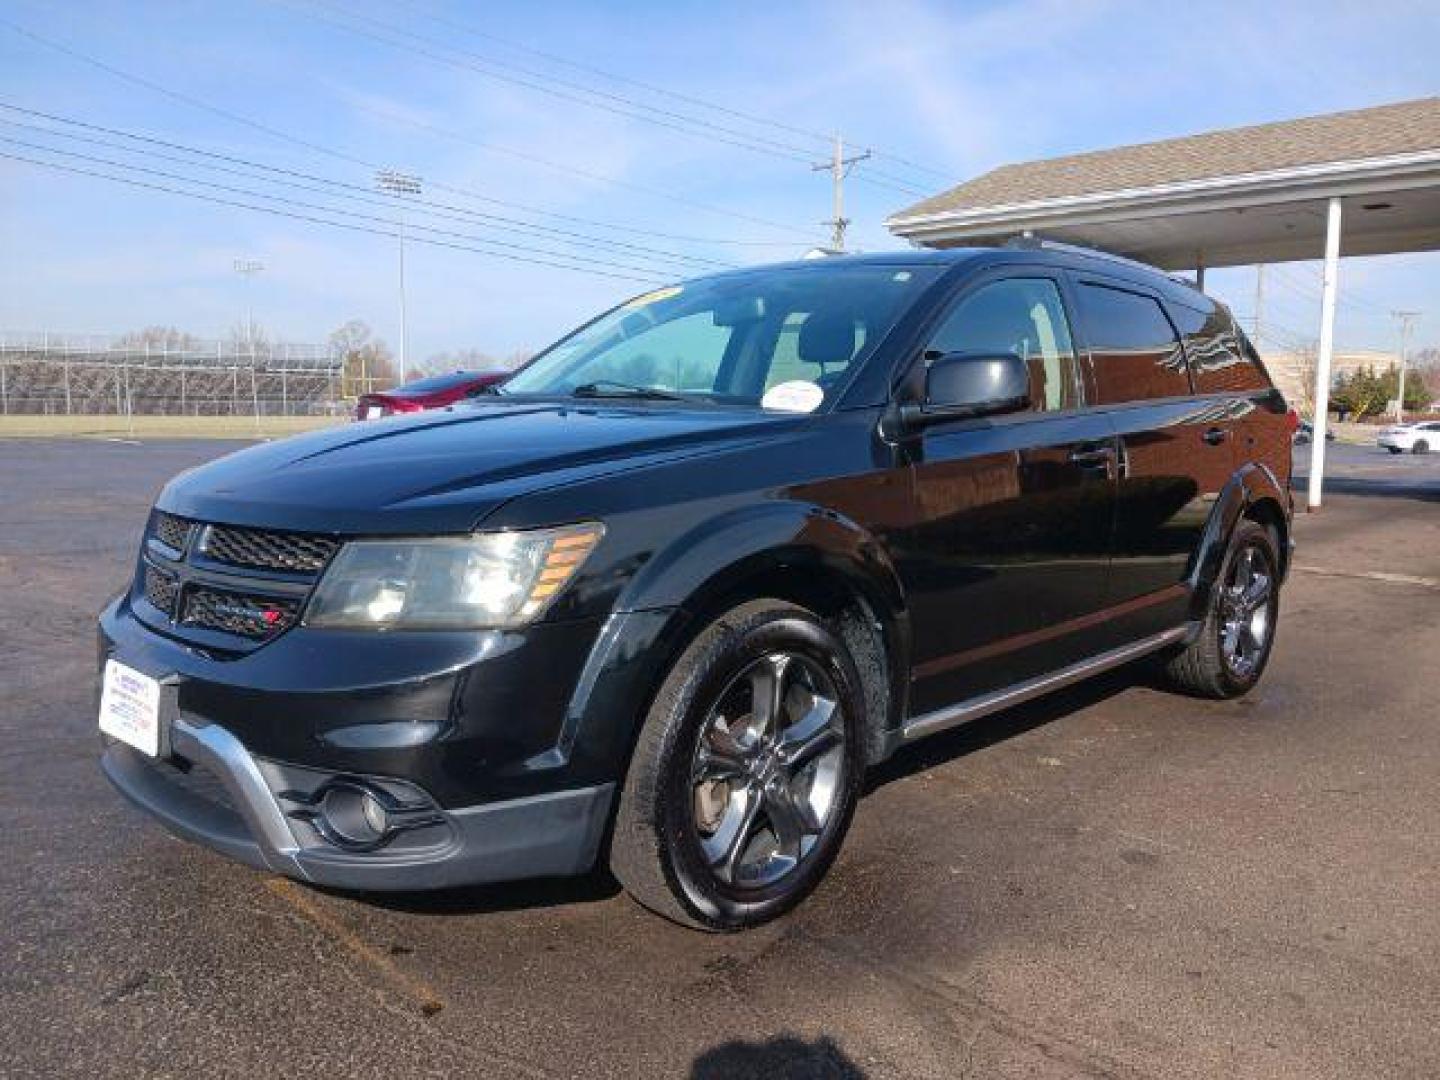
[130, 707]
[798, 395]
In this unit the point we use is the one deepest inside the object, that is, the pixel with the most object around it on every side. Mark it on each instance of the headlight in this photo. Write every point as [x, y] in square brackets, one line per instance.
[447, 583]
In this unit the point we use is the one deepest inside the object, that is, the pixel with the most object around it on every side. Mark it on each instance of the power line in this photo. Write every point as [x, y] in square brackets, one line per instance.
[650, 280]
[350, 191]
[655, 89]
[567, 91]
[318, 148]
[1348, 297]
[324, 208]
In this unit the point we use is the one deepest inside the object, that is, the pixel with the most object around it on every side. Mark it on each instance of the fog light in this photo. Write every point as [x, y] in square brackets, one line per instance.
[357, 815]
[354, 815]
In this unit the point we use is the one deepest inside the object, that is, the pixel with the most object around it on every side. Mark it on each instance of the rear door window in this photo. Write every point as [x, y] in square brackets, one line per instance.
[1134, 351]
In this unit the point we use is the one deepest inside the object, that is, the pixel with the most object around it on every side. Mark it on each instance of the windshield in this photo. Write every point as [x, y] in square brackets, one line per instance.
[781, 338]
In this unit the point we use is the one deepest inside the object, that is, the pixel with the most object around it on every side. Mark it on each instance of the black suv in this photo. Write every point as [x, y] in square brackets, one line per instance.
[664, 596]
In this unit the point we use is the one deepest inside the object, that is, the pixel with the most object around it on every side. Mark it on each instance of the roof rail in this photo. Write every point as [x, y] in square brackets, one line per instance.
[1029, 241]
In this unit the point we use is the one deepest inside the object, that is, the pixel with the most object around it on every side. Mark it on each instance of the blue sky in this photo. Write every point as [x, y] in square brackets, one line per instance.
[959, 87]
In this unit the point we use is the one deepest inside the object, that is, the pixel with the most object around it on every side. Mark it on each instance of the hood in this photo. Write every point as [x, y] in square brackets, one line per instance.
[445, 471]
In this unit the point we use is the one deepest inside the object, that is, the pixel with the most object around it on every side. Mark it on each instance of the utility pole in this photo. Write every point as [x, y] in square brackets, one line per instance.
[400, 185]
[839, 167]
[1259, 302]
[247, 269]
[1406, 319]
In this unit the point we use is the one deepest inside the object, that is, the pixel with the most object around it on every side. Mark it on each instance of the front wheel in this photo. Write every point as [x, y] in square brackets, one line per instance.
[1233, 646]
[1420, 447]
[746, 772]
[1393, 449]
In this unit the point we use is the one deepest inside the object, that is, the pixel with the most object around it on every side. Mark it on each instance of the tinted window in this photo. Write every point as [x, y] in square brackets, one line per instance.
[1135, 352]
[1218, 359]
[1023, 316]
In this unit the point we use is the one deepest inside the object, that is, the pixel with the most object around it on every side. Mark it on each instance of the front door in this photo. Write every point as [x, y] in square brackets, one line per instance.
[1008, 548]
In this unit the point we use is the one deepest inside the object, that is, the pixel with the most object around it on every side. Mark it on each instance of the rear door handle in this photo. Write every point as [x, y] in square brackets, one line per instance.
[1095, 455]
[1215, 436]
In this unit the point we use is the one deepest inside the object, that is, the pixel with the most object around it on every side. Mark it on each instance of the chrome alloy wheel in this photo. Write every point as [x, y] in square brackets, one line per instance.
[1245, 615]
[768, 770]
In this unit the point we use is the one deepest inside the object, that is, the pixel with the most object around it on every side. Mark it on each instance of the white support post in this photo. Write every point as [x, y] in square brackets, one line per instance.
[1328, 288]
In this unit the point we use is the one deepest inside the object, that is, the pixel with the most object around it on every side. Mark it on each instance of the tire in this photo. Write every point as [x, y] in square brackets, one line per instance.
[675, 846]
[1420, 447]
[1226, 659]
[1393, 449]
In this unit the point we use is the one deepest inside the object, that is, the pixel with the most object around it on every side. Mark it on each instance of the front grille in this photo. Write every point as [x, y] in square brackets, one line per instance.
[171, 531]
[238, 613]
[263, 550]
[160, 589]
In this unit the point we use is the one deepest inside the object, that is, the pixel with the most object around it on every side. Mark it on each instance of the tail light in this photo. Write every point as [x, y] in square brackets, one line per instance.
[1292, 420]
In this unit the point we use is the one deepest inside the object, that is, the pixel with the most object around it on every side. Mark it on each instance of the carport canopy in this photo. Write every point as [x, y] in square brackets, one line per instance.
[1365, 182]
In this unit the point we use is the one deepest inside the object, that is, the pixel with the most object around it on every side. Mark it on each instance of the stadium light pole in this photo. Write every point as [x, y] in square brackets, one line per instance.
[247, 269]
[400, 185]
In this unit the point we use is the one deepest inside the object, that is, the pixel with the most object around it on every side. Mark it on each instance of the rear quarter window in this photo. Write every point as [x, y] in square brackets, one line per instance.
[1219, 359]
[1134, 351]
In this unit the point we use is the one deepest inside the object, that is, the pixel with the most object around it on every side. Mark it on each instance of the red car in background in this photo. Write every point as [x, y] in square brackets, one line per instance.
[432, 393]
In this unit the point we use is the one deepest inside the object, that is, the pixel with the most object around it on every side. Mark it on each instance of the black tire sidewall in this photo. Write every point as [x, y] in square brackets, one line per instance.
[708, 900]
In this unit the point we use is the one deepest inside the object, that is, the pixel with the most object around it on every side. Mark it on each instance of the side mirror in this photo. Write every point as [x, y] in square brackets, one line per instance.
[959, 385]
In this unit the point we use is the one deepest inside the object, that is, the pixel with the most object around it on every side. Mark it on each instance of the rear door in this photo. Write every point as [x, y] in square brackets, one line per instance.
[1174, 449]
[1007, 549]
[1227, 371]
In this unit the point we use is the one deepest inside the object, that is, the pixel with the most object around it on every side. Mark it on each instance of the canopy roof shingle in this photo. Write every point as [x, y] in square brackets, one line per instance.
[1100, 197]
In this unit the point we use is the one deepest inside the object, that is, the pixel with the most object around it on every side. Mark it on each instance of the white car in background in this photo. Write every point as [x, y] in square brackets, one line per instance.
[1418, 438]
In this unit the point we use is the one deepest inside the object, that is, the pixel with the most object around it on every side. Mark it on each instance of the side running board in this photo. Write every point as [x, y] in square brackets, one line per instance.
[973, 709]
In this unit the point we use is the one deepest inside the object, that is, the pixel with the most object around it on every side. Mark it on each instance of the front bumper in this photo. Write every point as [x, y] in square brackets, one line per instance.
[512, 741]
[227, 799]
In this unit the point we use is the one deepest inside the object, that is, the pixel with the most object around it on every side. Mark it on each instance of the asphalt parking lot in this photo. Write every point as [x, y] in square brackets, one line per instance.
[1111, 882]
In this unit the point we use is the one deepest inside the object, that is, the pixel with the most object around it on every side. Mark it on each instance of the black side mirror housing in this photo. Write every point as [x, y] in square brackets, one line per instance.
[959, 385]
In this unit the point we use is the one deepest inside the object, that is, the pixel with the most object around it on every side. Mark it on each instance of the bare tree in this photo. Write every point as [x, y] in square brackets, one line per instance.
[368, 363]
[158, 338]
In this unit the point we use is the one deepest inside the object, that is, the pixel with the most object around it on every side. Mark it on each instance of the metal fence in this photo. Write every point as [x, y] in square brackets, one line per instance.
[89, 374]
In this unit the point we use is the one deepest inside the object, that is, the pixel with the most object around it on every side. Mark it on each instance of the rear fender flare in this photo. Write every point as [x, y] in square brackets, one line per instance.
[1250, 485]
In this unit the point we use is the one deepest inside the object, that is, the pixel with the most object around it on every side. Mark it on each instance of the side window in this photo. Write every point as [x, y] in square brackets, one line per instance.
[1133, 347]
[1023, 316]
[1219, 360]
[681, 354]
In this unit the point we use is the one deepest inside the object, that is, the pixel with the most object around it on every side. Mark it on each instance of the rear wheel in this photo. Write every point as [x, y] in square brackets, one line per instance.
[1420, 447]
[1229, 655]
[746, 772]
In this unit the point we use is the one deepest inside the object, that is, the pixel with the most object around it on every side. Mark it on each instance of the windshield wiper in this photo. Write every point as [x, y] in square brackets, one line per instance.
[607, 388]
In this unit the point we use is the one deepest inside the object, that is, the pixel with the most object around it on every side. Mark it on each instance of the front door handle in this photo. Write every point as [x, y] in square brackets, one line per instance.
[1215, 436]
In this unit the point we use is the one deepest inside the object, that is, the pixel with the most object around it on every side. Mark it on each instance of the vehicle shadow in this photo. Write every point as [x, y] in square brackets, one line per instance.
[987, 731]
[936, 750]
[784, 1057]
[502, 896]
